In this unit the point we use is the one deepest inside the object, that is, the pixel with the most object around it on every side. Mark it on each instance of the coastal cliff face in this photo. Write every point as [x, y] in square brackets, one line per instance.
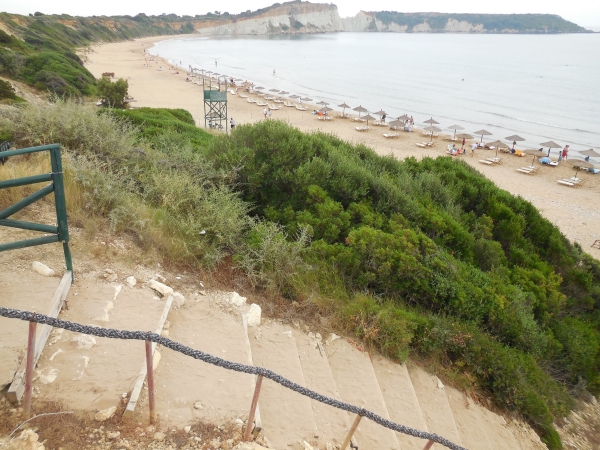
[304, 17]
[286, 19]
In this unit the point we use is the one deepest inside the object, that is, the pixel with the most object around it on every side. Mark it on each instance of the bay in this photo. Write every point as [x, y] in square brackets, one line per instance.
[541, 87]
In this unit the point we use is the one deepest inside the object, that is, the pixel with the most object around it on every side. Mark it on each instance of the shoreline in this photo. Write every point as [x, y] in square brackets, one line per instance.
[573, 210]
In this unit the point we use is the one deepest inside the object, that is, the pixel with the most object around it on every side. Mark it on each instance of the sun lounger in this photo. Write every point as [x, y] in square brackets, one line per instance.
[261, 103]
[553, 163]
[390, 135]
[494, 160]
[274, 107]
[485, 161]
[573, 182]
[251, 100]
[421, 144]
[362, 128]
[289, 105]
[231, 91]
[519, 153]
[300, 108]
[356, 119]
[243, 96]
[379, 123]
[278, 101]
[528, 170]
[343, 116]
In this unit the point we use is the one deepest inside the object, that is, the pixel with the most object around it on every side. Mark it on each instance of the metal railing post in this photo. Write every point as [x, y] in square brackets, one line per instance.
[29, 366]
[351, 432]
[150, 372]
[428, 445]
[253, 408]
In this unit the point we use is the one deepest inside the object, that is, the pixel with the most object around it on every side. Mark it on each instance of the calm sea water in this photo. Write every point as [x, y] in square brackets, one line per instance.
[540, 87]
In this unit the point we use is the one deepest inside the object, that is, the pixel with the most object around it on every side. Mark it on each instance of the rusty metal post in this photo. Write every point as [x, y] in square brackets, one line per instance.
[351, 432]
[150, 373]
[253, 408]
[428, 445]
[29, 366]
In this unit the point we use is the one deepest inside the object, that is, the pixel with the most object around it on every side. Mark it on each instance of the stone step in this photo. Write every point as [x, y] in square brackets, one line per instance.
[358, 385]
[332, 423]
[400, 399]
[287, 416]
[190, 389]
[434, 404]
[467, 416]
[500, 436]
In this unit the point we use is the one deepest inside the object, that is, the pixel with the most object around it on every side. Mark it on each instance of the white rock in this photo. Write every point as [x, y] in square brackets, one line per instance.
[198, 405]
[187, 429]
[27, 440]
[42, 269]
[236, 299]
[113, 434]
[440, 385]
[162, 289]
[50, 377]
[332, 337]
[118, 288]
[131, 281]
[156, 359]
[159, 436]
[165, 333]
[178, 299]
[253, 315]
[307, 446]
[84, 341]
[105, 414]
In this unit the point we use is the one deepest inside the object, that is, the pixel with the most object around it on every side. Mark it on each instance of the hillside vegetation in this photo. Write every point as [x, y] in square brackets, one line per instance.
[414, 257]
[494, 23]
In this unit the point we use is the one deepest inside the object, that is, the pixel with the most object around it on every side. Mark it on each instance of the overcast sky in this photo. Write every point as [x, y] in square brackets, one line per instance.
[582, 12]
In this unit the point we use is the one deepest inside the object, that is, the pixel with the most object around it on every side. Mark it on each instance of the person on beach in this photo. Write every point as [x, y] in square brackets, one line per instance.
[412, 121]
[473, 147]
[565, 152]
[383, 118]
[265, 112]
[232, 124]
[462, 147]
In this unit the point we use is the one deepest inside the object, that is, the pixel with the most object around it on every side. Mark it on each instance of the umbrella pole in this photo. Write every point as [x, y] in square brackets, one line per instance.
[454, 134]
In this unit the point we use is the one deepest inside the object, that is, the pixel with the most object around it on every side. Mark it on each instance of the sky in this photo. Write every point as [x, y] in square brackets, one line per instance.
[582, 12]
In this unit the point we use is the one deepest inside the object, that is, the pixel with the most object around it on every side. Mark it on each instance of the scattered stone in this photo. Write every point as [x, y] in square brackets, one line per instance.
[332, 337]
[236, 299]
[198, 405]
[159, 436]
[187, 429]
[253, 315]
[288, 333]
[84, 341]
[131, 281]
[118, 288]
[203, 293]
[113, 434]
[162, 289]
[55, 336]
[178, 299]
[215, 443]
[156, 359]
[49, 378]
[27, 440]
[440, 385]
[105, 414]
[296, 323]
[239, 422]
[42, 269]
[111, 278]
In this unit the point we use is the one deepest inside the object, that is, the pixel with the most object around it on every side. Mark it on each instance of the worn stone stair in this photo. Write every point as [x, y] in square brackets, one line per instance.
[287, 417]
[467, 416]
[358, 385]
[434, 405]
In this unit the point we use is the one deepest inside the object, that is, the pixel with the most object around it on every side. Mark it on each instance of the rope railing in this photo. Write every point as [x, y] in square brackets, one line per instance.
[216, 361]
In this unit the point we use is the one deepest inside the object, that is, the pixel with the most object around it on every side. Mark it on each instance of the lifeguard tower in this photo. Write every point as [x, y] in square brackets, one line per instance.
[215, 102]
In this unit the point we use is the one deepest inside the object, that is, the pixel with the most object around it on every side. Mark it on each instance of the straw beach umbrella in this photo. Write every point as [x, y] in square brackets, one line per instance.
[464, 136]
[455, 128]
[533, 153]
[482, 133]
[306, 99]
[579, 164]
[403, 118]
[343, 105]
[432, 129]
[550, 145]
[283, 92]
[497, 145]
[381, 113]
[591, 152]
[367, 118]
[322, 103]
[396, 123]
[359, 109]
[514, 138]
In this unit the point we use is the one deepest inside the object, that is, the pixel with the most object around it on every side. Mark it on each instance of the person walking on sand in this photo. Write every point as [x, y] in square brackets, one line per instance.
[565, 152]
[265, 112]
[463, 144]
[232, 124]
[473, 147]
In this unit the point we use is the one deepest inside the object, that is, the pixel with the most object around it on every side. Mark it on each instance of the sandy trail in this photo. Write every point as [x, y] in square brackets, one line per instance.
[573, 210]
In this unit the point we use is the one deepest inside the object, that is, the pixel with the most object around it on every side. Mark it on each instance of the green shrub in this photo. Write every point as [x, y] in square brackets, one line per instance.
[113, 94]
[7, 91]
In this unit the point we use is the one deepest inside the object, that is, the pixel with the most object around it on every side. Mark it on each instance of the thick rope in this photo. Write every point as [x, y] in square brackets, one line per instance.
[197, 354]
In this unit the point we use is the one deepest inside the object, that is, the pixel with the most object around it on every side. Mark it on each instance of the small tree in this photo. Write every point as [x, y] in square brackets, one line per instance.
[7, 91]
[113, 94]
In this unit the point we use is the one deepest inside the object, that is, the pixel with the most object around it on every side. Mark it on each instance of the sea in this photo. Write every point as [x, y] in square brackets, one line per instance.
[541, 87]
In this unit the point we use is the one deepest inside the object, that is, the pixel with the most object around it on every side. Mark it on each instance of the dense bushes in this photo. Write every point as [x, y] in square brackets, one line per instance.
[457, 260]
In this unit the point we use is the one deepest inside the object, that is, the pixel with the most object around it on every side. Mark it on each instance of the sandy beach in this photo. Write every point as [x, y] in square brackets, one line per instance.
[573, 209]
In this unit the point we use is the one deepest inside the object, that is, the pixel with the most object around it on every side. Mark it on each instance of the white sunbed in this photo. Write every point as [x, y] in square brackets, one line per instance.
[362, 128]
[421, 144]
[572, 182]
[289, 105]
[300, 108]
[528, 170]
[390, 135]
[274, 107]
[250, 100]
[231, 91]
[261, 104]
[278, 101]
[243, 96]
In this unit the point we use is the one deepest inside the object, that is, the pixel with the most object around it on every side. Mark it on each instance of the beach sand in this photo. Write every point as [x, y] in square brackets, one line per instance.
[574, 210]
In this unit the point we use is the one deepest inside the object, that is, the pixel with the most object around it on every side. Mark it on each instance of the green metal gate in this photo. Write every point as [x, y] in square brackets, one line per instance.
[58, 233]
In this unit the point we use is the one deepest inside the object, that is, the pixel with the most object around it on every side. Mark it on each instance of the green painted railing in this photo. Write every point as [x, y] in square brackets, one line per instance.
[58, 233]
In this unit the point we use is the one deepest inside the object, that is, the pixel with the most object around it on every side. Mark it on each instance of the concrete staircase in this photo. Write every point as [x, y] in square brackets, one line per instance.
[187, 389]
